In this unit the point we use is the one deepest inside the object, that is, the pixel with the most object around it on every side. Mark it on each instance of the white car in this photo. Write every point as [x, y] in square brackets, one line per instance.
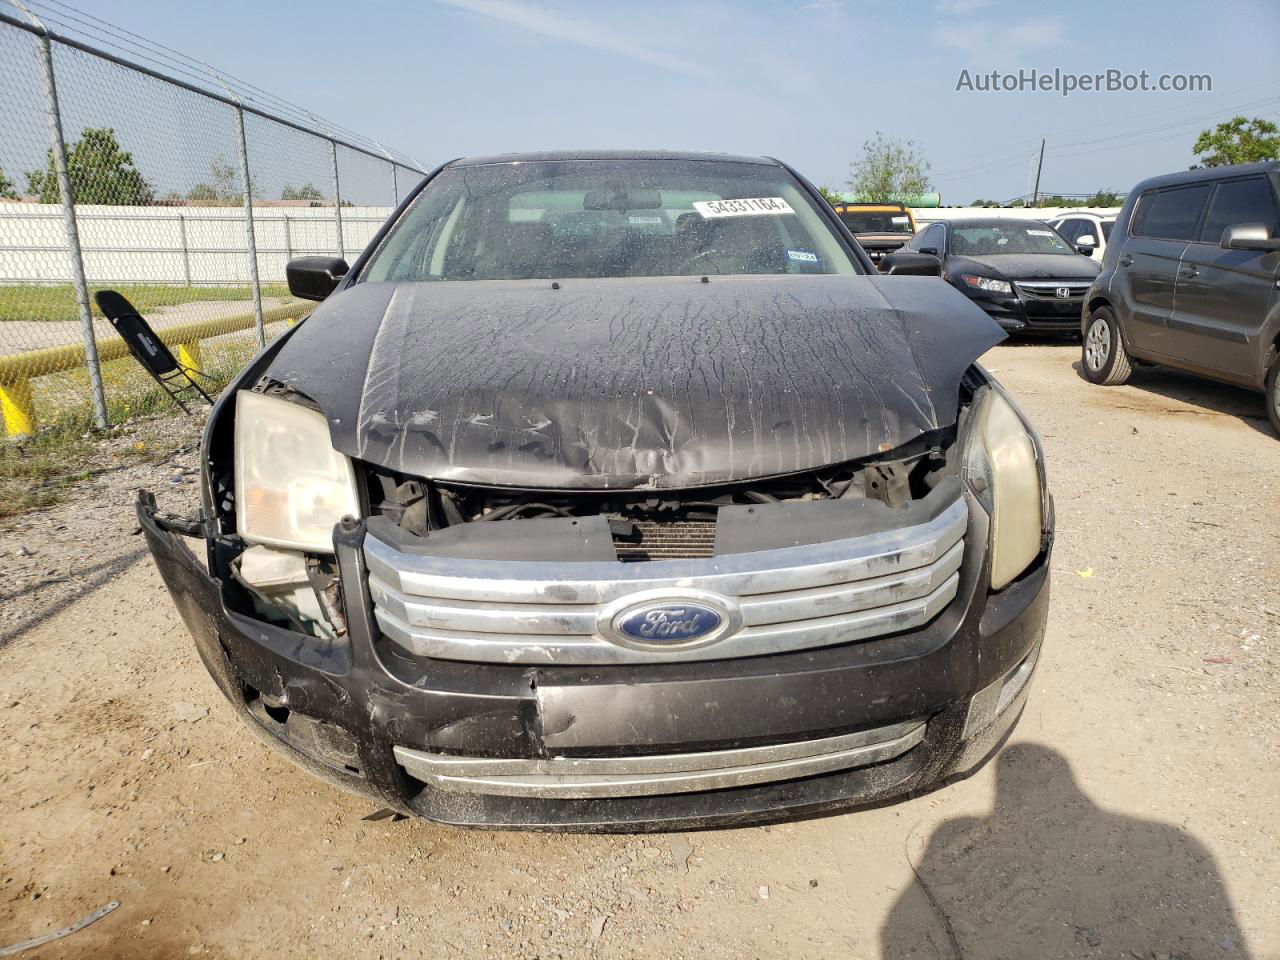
[1082, 229]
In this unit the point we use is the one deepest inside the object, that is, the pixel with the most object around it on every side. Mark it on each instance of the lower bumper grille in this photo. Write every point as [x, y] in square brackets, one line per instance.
[577, 778]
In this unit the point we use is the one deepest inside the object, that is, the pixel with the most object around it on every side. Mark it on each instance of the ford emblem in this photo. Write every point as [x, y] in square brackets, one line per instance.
[672, 621]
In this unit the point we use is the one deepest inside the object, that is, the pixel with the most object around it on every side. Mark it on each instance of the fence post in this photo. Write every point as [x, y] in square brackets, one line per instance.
[72, 234]
[337, 198]
[186, 254]
[250, 239]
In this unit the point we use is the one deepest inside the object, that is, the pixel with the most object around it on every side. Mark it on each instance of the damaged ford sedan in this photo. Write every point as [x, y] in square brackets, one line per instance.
[618, 491]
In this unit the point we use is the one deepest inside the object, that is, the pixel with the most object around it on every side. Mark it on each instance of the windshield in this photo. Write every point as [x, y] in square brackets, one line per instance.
[877, 222]
[985, 239]
[609, 218]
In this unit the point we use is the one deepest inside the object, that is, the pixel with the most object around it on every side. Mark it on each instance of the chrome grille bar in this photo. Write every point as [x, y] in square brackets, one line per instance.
[793, 598]
[570, 778]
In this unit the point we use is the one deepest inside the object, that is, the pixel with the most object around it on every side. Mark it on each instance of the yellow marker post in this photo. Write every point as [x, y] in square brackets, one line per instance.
[189, 355]
[18, 408]
[18, 369]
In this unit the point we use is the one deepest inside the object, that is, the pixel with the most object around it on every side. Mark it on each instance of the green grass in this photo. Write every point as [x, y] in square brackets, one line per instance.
[45, 302]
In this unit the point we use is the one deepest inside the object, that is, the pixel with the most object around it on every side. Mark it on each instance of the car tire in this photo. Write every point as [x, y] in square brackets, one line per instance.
[1102, 354]
[1273, 395]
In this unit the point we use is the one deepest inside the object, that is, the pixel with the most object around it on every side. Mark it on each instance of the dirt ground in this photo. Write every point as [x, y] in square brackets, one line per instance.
[1135, 812]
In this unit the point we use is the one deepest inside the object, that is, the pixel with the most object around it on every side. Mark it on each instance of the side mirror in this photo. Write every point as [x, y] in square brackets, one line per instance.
[908, 263]
[932, 251]
[1084, 248]
[1249, 236]
[314, 278]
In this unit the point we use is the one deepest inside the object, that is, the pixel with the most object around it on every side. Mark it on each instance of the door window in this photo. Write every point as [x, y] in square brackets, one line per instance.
[932, 237]
[1239, 201]
[1171, 214]
[1071, 228]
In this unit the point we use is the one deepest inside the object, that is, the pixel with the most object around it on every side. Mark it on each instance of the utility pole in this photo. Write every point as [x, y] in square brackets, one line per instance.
[1035, 195]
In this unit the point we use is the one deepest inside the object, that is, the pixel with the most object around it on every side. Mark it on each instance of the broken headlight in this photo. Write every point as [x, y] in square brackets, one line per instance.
[1002, 466]
[291, 485]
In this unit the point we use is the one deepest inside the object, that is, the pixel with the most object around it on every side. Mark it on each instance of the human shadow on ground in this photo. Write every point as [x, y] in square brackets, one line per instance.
[1049, 874]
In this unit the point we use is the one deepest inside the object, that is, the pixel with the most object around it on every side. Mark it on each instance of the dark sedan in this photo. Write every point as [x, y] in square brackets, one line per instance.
[618, 491]
[1021, 272]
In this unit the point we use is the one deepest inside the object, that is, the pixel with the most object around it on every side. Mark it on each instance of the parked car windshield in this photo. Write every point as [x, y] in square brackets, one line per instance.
[609, 218]
[986, 239]
[877, 222]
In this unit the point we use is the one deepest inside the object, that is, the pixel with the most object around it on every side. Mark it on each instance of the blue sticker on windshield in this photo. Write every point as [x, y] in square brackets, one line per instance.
[802, 256]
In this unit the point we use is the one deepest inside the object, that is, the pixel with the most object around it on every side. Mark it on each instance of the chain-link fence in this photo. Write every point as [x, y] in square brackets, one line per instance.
[125, 165]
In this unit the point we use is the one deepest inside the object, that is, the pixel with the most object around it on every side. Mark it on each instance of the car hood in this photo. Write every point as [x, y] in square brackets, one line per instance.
[1028, 266]
[632, 383]
[884, 239]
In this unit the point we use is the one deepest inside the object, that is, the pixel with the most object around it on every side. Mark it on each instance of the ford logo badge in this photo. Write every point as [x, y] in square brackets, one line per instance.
[672, 622]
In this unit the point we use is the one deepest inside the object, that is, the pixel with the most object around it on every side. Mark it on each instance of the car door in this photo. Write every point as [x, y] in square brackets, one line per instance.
[1163, 224]
[1069, 227]
[1221, 299]
[1073, 228]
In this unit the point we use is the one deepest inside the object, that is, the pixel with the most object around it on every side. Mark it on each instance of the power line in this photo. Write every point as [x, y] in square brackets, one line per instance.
[1029, 145]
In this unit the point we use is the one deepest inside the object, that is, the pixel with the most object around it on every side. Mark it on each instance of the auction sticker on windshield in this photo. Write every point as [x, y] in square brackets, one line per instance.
[745, 207]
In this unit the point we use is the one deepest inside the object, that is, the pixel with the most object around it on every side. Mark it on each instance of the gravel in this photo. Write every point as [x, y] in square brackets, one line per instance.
[1132, 814]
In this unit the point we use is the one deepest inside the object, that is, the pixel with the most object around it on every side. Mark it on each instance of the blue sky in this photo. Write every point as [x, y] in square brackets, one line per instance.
[806, 81]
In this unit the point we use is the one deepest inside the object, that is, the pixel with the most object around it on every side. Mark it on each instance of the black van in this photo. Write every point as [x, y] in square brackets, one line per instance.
[1191, 279]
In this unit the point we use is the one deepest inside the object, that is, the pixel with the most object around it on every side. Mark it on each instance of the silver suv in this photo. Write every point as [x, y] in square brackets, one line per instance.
[1191, 280]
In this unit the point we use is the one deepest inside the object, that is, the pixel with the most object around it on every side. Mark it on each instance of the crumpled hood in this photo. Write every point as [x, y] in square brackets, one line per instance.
[647, 382]
[1028, 266]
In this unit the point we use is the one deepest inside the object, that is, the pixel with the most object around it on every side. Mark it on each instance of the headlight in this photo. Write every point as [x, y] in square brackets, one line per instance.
[1003, 468]
[989, 284]
[291, 485]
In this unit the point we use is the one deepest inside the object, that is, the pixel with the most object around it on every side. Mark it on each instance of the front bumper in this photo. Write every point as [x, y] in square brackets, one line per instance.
[655, 746]
[1030, 314]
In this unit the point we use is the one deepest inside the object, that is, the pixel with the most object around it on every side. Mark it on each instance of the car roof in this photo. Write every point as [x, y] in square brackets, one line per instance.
[869, 207]
[552, 155]
[1206, 173]
[1085, 213]
[991, 221]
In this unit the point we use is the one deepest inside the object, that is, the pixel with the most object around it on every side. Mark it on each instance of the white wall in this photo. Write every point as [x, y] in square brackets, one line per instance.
[145, 244]
[934, 214]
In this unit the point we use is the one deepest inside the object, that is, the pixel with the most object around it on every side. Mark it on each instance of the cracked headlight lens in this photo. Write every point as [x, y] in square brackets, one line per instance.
[291, 485]
[1003, 468]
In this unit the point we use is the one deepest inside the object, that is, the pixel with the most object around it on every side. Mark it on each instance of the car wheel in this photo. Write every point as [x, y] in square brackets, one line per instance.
[1102, 354]
[1273, 395]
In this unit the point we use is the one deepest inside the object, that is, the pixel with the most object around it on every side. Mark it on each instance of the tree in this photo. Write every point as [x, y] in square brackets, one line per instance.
[307, 191]
[223, 190]
[889, 170]
[1237, 141]
[1104, 198]
[100, 172]
[7, 189]
[830, 194]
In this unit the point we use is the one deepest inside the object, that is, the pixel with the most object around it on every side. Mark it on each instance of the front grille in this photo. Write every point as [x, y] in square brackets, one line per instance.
[555, 612]
[681, 540]
[1048, 289]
